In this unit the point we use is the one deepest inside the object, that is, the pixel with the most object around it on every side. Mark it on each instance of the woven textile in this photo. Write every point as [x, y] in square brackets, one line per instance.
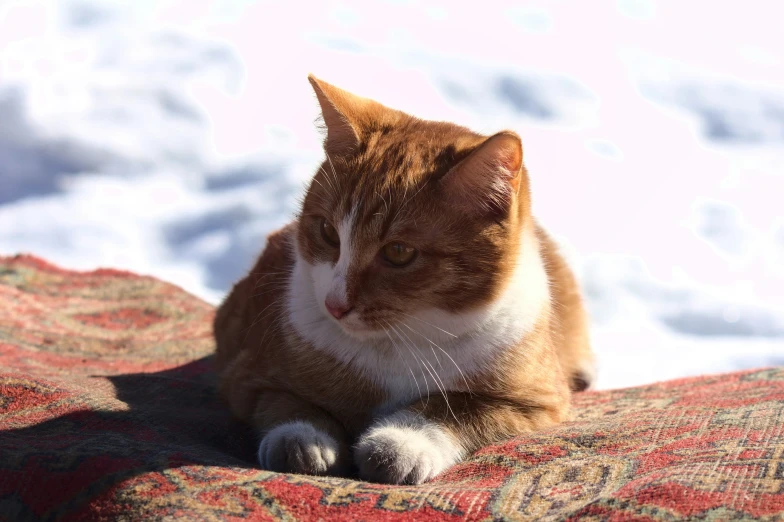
[108, 411]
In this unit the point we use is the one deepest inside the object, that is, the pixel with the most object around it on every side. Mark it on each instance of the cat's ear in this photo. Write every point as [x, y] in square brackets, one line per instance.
[345, 116]
[485, 181]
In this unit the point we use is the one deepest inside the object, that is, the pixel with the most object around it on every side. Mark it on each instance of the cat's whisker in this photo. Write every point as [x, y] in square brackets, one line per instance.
[462, 375]
[275, 275]
[442, 388]
[259, 318]
[332, 166]
[435, 356]
[333, 188]
[424, 378]
[277, 328]
[322, 199]
[436, 378]
[424, 364]
[415, 346]
[267, 331]
[401, 357]
[405, 201]
[275, 286]
[429, 324]
[269, 283]
[397, 213]
[268, 272]
[386, 207]
[276, 280]
[280, 280]
[320, 185]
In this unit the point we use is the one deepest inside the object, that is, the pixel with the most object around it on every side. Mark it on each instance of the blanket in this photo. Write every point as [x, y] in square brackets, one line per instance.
[108, 411]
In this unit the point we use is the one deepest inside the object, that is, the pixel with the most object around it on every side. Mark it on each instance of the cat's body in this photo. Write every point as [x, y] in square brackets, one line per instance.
[414, 312]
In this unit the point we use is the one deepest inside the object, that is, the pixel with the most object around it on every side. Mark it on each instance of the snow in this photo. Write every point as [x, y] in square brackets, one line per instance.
[170, 137]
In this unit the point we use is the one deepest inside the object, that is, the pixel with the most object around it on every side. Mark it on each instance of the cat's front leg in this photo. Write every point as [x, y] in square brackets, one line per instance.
[300, 447]
[299, 438]
[415, 444]
[406, 448]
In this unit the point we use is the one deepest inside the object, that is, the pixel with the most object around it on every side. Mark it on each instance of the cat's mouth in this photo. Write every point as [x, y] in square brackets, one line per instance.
[354, 326]
[352, 323]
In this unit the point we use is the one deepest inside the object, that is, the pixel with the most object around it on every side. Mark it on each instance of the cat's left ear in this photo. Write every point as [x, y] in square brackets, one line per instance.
[346, 116]
[486, 181]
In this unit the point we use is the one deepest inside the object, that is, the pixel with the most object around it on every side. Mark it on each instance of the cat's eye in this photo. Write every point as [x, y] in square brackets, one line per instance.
[329, 233]
[398, 254]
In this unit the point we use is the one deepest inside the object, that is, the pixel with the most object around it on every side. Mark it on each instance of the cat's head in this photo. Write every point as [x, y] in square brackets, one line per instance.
[408, 220]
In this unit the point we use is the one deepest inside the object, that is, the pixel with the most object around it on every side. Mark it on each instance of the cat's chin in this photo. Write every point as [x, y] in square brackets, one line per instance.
[356, 328]
[364, 335]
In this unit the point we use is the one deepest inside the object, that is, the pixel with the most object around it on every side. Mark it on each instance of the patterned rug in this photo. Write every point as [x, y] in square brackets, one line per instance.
[108, 412]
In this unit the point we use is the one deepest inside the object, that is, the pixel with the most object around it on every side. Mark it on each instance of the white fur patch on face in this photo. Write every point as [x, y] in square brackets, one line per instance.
[337, 283]
[329, 281]
[299, 447]
[433, 350]
[405, 448]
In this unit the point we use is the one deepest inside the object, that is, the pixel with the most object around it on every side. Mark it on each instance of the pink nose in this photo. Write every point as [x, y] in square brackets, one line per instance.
[336, 308]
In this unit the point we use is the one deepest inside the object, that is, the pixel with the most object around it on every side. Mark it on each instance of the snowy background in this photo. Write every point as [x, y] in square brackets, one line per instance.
[169, 137]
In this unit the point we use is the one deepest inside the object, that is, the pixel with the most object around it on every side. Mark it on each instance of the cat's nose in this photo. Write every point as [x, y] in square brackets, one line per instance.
[337, 308]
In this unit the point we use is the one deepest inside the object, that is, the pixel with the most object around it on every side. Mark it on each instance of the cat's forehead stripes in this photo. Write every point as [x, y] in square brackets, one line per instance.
[376, 216]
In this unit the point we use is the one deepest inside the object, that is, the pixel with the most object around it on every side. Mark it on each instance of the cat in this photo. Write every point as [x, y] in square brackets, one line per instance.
[413, 312]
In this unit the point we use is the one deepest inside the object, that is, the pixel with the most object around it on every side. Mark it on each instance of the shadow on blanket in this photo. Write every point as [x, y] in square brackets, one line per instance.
[158, 421]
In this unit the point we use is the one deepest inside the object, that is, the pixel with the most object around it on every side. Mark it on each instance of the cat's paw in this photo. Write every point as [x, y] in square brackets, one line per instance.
[404, 449]
[299, 447]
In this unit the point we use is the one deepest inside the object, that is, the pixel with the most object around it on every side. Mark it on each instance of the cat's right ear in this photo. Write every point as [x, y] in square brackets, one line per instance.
[489, 178]
[339, 109]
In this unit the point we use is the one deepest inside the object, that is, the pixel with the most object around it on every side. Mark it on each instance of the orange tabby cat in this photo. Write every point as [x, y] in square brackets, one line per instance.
[412, 313]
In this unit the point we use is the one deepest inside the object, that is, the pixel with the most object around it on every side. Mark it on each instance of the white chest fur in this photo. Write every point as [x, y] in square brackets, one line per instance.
[434, 350]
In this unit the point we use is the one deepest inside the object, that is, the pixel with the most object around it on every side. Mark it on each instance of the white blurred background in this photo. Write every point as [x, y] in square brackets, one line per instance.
[169, 137]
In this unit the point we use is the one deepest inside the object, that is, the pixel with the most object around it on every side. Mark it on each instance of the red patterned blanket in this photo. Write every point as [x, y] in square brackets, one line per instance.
[108, 411]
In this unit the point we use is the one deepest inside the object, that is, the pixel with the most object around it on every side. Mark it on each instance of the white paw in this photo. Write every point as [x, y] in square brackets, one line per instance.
[404, 449]
[299, 447]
